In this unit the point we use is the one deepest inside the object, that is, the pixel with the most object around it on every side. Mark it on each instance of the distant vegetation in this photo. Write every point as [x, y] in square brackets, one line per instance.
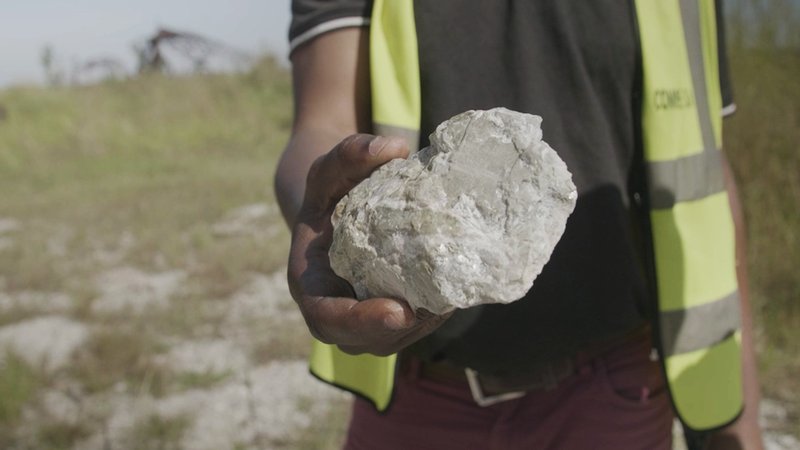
[156, 155]
[763, 23]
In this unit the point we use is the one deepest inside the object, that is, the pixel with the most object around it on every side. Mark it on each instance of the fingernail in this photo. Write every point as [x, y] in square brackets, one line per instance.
[396, 318]
[377, 145]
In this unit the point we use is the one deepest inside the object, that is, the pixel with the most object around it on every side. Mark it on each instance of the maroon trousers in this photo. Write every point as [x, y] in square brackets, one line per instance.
[614, 401]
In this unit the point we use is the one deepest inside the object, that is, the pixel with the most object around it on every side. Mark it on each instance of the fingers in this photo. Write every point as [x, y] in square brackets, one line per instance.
[351, 161]
[348, 322]
[380, 326]
[397, 340]
[377, 325]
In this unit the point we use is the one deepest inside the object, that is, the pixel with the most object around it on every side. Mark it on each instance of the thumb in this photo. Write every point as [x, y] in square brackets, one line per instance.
[334, 174]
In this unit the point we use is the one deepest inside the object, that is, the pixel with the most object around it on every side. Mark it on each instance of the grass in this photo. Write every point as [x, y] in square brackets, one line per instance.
[159, 159]
[328, 432]
[15, 314]
[112, 356]
[61, 435]
[158, 433]
[284, 342]
[28, 263]
[202, 380]
[19, 384]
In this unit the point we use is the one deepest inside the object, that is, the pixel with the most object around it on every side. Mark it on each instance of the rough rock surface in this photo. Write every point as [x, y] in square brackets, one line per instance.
[471, 219]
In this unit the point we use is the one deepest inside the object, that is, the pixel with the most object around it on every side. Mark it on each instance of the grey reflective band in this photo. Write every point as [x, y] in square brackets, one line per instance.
[685, 179]
[690, 13]
[698, 327]
[411, 136]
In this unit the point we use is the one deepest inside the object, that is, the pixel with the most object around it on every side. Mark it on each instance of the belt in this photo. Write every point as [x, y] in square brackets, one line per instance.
[489, 389]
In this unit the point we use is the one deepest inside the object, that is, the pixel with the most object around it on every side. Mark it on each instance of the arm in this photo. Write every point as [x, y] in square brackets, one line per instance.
[330, 76]
[744, 433]
[332, 103]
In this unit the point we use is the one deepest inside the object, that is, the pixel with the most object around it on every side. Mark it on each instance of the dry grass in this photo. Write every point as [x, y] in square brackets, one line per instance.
[112, 356]
[158, 433]
[328, 433]
[136, 174]
[18, 385]
[158, 159]
[59, 435]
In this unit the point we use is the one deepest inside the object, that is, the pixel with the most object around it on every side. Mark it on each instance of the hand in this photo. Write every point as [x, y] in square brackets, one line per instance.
[380, 326]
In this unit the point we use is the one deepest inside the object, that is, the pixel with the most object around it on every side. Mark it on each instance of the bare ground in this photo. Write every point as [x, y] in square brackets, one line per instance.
[144, 362]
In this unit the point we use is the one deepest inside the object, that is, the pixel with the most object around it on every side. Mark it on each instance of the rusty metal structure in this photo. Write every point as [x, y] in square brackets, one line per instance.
[196, 49]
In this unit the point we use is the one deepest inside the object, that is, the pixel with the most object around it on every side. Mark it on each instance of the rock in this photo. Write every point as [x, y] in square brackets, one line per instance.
[127, 289]
[8, 225]
[472, 219]
[248, 220]
[45, 342]
[206, 356]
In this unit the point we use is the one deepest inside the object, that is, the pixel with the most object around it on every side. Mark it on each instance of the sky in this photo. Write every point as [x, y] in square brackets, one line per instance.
[79, 30]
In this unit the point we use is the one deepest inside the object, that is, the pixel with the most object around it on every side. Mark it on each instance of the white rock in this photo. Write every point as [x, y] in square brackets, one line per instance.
[772, 413]
[470, 220]
[130, 289]
[51, 302]
[264, 296]
[8, 225]
[245, 220]
[206, 356]
[780, 441]
[46, 342]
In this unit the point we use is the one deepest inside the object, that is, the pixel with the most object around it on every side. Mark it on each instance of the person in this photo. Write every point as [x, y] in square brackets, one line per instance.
[605, 349]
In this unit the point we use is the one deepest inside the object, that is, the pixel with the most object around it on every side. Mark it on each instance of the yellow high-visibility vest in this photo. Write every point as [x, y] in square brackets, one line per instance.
[691, 225]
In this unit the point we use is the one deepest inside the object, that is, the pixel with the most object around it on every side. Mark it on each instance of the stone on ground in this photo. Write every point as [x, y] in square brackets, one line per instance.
[46, 342]
[127, 289]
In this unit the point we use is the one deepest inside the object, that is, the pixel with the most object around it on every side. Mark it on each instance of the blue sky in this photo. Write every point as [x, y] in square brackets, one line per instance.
[79, 30]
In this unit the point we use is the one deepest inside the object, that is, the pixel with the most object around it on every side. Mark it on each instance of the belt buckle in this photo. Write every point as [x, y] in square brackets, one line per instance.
[481, 398]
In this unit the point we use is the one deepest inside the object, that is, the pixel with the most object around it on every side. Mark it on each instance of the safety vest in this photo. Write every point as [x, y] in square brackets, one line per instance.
[690, 222]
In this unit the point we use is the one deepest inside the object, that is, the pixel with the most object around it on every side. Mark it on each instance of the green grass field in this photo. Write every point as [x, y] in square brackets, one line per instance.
[138, 173]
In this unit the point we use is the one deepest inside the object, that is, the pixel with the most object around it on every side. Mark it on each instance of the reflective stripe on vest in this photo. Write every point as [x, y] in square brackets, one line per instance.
[692, 226]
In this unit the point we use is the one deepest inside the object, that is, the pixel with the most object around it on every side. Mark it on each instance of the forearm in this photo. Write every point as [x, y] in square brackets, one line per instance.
[746, 430]
[331, 92]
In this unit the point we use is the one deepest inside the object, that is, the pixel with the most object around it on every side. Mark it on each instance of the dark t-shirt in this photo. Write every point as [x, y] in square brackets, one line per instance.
[574, 63]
